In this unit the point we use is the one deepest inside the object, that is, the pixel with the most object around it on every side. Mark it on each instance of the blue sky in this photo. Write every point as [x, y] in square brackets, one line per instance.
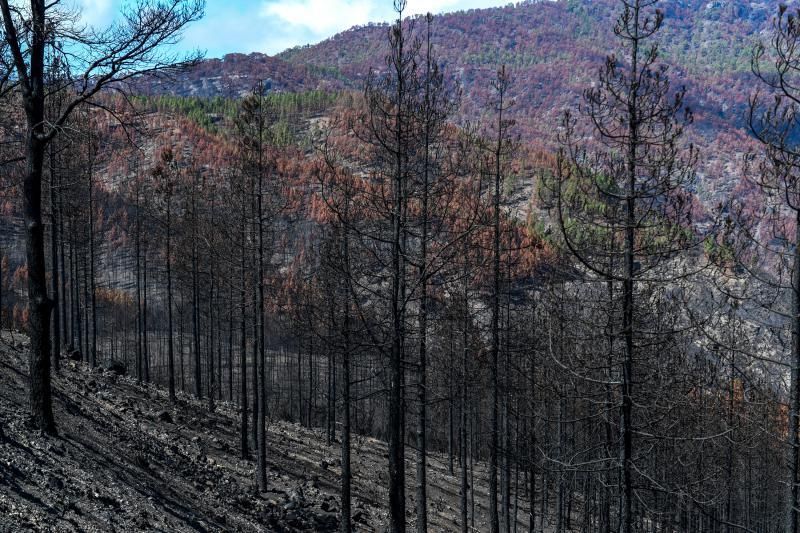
[271, 26]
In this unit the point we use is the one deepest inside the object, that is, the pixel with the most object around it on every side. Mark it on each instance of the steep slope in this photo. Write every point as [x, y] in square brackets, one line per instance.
[553, 46]
[127, 460]
[236, 74]
[553, 49]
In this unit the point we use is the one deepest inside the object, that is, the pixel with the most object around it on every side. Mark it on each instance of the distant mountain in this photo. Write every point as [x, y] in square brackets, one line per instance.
[554, 50]
[237, 74]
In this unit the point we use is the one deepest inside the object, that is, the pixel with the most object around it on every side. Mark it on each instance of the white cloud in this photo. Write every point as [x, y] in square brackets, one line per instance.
[321, 17]
[271, 26]
[421, 7]
[96, 12]
[293, 22]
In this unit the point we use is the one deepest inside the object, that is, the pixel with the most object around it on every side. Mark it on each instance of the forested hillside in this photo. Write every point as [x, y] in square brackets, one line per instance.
[553, 50]
[525, 268]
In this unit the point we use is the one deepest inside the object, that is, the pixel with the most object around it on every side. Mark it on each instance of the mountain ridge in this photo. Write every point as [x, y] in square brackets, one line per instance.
[554, 50]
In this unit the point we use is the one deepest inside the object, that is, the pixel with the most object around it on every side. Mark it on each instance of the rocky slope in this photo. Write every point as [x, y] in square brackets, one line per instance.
[127, 460]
